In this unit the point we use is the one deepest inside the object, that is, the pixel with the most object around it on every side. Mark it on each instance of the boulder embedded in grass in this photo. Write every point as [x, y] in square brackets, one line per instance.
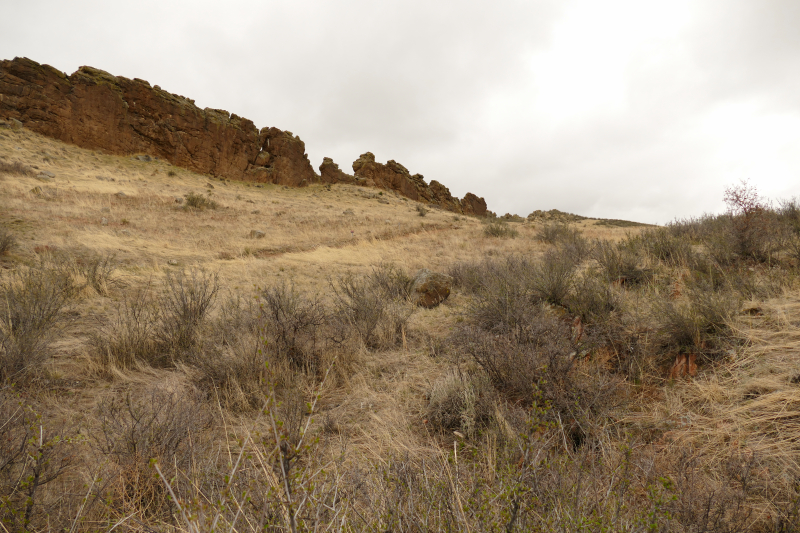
[430, 288]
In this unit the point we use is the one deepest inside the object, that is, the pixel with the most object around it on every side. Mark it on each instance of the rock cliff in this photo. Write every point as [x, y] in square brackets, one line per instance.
[94, 109]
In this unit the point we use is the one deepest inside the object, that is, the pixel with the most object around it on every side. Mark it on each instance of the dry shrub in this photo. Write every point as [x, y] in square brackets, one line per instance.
[15, 168]
[199, 202]
[366, 312]
[552, 278]
[459, 401]
[129, 340]
[504, 301]
[664, 245]
[232, 368]
[135, 430]
[32, 301]
[97, 270]
[293, 324]
[619, 263]
[184, 304]
[157, 331]
[466, 275]
[392, 281]
[499, 230]
[700, 323]
[545, 370]
[557, 232]
[592, 299]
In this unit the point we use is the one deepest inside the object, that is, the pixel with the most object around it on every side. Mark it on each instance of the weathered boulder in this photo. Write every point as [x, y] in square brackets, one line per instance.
[94, 109]
[429, 289]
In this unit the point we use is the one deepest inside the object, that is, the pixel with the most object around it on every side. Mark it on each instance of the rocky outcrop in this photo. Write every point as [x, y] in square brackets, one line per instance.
[93, 109]
[96, 110]
[394, 176]
[331, 173]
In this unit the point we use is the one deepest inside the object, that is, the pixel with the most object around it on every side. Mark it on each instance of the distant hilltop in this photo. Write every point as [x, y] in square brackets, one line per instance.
[96, 110]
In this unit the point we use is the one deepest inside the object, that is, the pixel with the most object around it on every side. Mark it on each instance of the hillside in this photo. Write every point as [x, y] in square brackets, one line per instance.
[182, 352]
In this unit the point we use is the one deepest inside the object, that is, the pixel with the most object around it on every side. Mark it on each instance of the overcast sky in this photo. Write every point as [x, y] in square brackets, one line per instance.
[642, 110]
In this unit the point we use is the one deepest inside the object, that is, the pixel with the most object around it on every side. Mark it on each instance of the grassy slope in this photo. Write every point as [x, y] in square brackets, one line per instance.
[378, 404]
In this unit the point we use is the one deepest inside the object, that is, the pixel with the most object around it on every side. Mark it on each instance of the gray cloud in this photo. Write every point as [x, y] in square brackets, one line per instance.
[452, 89]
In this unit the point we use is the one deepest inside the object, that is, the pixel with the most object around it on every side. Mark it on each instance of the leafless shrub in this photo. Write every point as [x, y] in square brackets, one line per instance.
[31, 305]
[137, 429]
[466, 275]
[421, 211]
[292, 323]
[362, 307]
[391, 280]
[130, 338]
[619, 263]
[97, 270]
[183, 306]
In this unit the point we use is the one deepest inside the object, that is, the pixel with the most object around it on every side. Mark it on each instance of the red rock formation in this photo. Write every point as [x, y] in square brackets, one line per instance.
[96, 110]
[331, 173]
[396, 177]
[93, 109]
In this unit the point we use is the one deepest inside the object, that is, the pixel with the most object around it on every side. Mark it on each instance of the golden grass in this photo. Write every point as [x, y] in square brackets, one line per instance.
[748, 405]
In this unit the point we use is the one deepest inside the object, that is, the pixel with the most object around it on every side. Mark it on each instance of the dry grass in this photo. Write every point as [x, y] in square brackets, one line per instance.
[233, 362]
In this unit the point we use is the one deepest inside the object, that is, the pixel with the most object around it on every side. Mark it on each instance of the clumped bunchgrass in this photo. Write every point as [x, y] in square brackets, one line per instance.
[15, 167]
[499, 230]
[198, 201]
